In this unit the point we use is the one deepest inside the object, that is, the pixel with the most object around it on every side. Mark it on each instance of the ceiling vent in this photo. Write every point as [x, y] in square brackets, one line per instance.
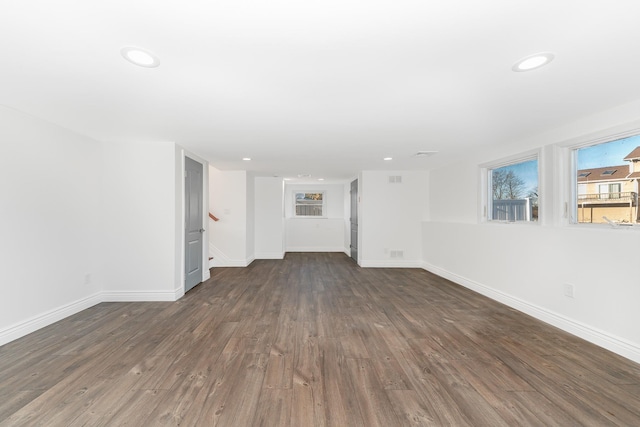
[424, 153]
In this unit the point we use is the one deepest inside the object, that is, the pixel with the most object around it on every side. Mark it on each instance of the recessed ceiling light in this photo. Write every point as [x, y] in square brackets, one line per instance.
[534, 61]
[320, 179]
[388, 158]
[140, 57]
[246, 159]
[304, 175]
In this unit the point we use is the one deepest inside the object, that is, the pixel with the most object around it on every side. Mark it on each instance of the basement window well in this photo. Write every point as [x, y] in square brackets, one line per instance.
[309, 204]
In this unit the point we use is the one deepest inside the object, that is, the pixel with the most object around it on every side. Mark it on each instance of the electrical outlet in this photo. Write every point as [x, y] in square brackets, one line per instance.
[87, 279]
[568, 290]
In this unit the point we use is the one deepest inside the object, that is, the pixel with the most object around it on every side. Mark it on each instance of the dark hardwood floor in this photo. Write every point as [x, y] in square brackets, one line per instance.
[313, 340]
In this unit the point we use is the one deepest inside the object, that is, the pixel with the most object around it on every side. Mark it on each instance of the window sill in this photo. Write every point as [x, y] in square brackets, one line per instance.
[309, 217]
[516, 223]
[589, 226]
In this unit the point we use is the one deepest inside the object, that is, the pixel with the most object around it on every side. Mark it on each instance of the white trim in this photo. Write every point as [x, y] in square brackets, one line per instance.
[569, 149]
[221, 260]
[390, 264]
[610, 342]
[232, 263]
[314, 249]
[42, 320]
[141, 296]
[270, 255]
[485, 199]
[206, 275]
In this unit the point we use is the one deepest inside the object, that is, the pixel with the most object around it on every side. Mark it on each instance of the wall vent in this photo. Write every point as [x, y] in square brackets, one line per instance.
[397, 179]
[425, 153]
[396, 254]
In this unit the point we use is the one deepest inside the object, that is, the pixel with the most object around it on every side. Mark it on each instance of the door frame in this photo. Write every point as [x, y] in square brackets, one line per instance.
[181, 213]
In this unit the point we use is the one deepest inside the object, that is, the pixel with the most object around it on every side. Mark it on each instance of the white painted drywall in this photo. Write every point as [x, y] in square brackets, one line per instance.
[139, 223]
[347, 216]
[316, 234]
[251, 220]
[228, 202]
[269, 218]
[390, 218]
[50, 222]
[84, 222]
[527, 266]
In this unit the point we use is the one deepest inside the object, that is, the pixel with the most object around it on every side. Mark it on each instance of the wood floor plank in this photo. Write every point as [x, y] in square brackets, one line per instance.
[341, 406]
[313, 340]
[245, 393]
[134, 408]
[223, 378]
[411, 409]
[374, 403]
[274, 409]
[308, 399]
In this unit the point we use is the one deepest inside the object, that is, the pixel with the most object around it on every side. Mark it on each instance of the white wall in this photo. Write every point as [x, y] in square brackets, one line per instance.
[316, 234]
[139, 221]
[84, 222]
[526, 266]
[251, 220]
[390, 218]
[269, 218]
[50, 204]
[347, 216]
[228, 202]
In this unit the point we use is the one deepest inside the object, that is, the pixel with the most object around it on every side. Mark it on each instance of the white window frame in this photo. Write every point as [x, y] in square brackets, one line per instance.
[569, 153]
[485, 199]
[324, 203]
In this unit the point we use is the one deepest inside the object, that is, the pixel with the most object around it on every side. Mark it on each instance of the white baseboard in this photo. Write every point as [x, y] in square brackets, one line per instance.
[40, 321]
[140, 296]
[270, 255]
[222, 260]
[601, 338]
[399, 263]
[230, 263]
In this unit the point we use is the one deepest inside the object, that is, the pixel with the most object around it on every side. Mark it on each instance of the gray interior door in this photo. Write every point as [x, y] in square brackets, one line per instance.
[354, 220]
[193, 223]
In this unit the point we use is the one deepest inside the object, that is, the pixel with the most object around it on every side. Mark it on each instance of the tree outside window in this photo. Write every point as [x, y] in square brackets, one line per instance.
[514, 192]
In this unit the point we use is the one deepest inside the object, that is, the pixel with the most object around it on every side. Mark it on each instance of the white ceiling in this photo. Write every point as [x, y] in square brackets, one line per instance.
[327, 87]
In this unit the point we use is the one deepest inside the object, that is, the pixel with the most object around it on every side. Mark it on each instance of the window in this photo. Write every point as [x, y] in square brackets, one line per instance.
[513, 192]
[609, 191]
[309, 204]
[606, 179]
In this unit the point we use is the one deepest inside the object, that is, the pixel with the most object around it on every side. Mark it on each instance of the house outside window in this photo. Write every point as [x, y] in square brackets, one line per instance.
[607, 182]
[310, 204]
